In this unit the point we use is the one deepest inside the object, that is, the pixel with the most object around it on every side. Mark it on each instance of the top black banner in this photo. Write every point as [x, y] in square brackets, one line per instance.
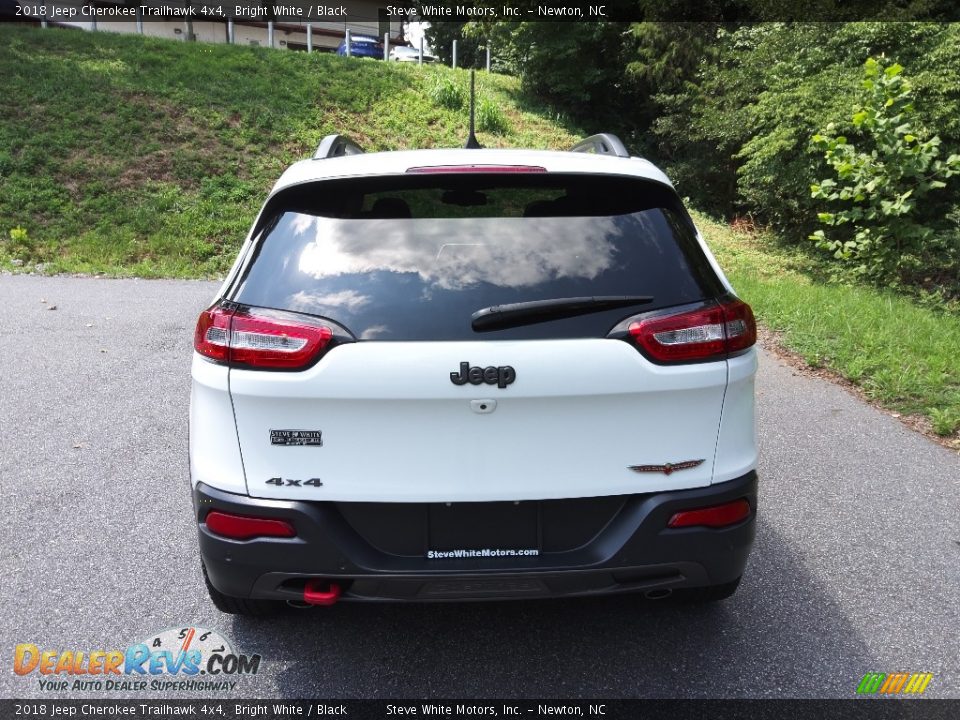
[483, 11]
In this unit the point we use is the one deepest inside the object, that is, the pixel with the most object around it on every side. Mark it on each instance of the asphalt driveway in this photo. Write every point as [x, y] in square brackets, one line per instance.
[856, 567]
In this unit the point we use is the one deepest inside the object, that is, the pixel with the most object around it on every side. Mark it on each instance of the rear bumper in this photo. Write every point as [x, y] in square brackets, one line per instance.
[634, 551]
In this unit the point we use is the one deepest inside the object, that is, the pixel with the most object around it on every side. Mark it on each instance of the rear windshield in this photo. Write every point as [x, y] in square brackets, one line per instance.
[413, 257]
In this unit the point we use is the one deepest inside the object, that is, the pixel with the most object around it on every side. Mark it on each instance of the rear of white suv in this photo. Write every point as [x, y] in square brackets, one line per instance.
[473, 374]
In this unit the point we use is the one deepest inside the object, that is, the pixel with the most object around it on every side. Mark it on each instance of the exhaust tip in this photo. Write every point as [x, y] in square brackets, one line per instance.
[658, 594]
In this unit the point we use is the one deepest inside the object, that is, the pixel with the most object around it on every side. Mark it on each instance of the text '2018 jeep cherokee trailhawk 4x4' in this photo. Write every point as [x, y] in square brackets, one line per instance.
[473, 374]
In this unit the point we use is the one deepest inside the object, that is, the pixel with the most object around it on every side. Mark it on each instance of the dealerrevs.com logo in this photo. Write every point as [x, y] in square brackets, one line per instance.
[190, 658]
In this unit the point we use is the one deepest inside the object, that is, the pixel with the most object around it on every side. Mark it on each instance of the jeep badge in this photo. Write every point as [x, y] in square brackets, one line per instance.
[500, 376]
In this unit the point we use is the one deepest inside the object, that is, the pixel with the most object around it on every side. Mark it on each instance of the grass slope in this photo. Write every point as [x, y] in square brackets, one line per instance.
[903, 356]
[126, 155]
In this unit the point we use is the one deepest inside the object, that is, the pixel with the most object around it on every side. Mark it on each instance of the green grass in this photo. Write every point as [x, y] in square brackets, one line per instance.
[904, 356]
[125, 155]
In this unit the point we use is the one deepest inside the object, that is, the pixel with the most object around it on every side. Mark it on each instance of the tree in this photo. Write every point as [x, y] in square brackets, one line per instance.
[440, 36]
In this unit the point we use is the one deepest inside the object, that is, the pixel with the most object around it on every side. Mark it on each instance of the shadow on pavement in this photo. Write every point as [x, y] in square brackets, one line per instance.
[777, 637]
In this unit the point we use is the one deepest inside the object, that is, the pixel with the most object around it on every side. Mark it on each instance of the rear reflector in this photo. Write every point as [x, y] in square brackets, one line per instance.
[260, 339]
[242, 527]
[704, 333]
[463, 169]
[713, 517]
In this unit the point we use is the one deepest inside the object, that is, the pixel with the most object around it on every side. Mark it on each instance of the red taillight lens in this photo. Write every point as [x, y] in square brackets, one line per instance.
[740, 325]
[466, 169]
[259, 339]
[212, 336]
[690, 336]
[713, 517]
[265, 342]
[243, 527]
[709, 333]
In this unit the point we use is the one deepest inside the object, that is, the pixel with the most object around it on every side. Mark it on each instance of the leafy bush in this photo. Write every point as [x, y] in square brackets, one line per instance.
[20, 242]
[735, 136]
[944, 420]
[490, 117]
[447, 92]
[879, 182]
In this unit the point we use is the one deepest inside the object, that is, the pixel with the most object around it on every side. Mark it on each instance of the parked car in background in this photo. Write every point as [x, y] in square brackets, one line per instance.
[362, 46]
[405, 53]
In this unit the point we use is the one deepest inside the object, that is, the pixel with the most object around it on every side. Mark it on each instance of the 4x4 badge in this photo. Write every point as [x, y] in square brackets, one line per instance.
[667, 468]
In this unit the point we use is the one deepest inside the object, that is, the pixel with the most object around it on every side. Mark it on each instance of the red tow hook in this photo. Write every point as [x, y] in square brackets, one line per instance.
[320, 592]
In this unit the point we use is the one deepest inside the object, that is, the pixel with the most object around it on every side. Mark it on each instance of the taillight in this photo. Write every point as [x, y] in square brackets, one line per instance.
[244, 527]
[273, 343]
[212, 336]
[263, 339]
[703, 333]
[740, 326]
[716, 516]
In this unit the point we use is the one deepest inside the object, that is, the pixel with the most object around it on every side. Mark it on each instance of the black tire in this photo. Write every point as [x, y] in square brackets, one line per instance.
[709, 594]
[241, 606]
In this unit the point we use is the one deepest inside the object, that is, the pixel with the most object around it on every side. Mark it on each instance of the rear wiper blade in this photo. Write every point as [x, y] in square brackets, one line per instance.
[501, 317]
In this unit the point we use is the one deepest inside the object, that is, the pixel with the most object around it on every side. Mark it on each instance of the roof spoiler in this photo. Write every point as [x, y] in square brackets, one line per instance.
[602, 144]
[336, 146]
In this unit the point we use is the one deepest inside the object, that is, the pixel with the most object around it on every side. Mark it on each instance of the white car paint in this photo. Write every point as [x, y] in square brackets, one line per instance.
[397, 430]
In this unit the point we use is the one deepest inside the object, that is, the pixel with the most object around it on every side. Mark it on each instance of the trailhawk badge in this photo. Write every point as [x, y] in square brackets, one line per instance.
[667, 468]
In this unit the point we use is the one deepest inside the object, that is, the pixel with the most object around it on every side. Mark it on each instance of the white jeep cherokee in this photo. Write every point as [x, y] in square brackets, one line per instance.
[472, 374]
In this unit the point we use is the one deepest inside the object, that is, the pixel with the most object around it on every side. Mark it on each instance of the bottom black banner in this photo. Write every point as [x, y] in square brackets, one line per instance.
[914, 709]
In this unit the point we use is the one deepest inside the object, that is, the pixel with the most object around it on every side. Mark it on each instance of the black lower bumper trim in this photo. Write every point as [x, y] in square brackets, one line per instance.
[635, 551]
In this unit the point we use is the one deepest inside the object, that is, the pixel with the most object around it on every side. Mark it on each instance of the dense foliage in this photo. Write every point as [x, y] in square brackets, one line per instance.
[881, 218]
[737, 136]
[729, 108]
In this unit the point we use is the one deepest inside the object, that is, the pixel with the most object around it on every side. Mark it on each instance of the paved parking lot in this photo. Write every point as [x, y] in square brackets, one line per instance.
[856, 566]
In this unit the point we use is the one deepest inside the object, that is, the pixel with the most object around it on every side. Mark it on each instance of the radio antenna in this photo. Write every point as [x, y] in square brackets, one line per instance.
[472, 142]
